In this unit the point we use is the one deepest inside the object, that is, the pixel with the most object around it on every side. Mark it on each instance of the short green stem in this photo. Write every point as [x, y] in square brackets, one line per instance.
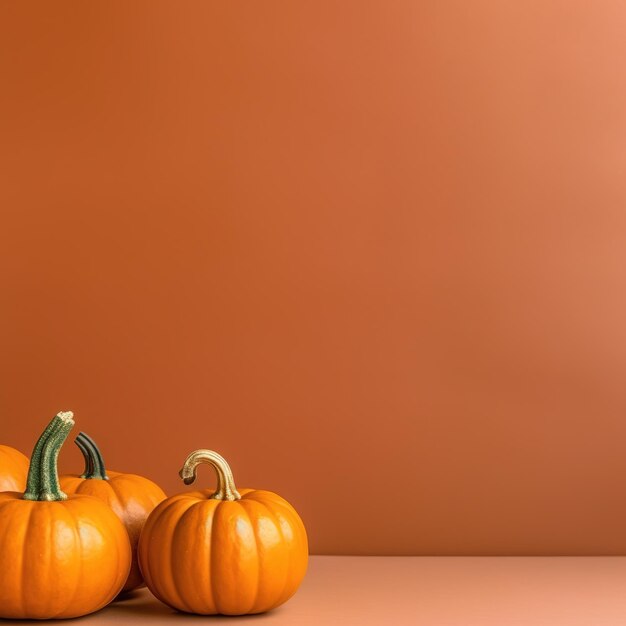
[88, 465]
[94, 463]
[43, 475]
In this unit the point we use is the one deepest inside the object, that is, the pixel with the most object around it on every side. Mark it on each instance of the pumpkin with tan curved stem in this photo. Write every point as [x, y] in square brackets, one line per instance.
[131, 497]
[60, 556]
[222, 550]
[13, 469]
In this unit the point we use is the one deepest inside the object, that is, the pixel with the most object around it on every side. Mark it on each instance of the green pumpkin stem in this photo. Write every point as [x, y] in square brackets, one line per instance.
[88, 464]
[34, 470]
[94, 463]
[43, 475]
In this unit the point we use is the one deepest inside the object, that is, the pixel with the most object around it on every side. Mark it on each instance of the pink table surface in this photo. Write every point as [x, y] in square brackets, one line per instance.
[433, 591]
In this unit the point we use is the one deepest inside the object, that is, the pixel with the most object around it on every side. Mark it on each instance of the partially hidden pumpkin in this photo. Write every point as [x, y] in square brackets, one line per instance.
[13, 469]
[132, 498]
[223, 551]
[60, 556]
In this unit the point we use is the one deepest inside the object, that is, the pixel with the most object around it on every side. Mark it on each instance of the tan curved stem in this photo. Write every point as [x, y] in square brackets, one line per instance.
[226, 489]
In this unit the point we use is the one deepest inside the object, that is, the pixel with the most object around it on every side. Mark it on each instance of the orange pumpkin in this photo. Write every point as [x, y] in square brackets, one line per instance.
[13, 469]
[60, 557]
[223, 551]
[132, 498]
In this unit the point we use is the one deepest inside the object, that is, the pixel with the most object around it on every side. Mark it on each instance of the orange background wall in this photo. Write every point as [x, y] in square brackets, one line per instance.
[372, 252]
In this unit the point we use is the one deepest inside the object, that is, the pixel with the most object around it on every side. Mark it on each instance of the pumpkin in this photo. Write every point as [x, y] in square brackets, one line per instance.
[60, 556]
[13, 469]
[132, 498]
[223, 551]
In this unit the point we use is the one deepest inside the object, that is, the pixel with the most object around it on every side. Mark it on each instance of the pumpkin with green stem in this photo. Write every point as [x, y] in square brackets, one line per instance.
[132, 498]
[60, 556]
[222, 550]
[13, 469]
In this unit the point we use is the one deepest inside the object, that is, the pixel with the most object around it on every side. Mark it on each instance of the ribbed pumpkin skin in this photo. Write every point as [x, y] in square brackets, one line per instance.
[13, 469]
[211, 556]
[132, 498]
[59, 559]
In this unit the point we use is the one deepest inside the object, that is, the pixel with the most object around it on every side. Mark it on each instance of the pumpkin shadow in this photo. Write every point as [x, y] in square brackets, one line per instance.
[126, 596]
[141, 605]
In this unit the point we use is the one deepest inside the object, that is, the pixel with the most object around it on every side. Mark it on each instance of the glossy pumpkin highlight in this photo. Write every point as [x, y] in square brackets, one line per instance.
[223, 551]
